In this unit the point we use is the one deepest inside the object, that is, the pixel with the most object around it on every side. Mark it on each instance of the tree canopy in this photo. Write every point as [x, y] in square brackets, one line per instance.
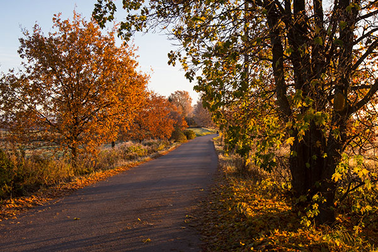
[182, 100]
[297, 73]
[154, 120]
[77, 87]
[201, 115]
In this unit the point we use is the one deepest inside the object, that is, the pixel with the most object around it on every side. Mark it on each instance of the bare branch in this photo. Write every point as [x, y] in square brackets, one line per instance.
[365, 55]
[366, 98]
[367, 15]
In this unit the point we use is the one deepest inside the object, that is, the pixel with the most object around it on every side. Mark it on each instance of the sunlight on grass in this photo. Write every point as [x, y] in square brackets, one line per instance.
[203, 131]
[35, 180]
[254, 213]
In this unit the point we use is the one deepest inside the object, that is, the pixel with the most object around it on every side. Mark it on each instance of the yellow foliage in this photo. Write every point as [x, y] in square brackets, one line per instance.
[247, 214]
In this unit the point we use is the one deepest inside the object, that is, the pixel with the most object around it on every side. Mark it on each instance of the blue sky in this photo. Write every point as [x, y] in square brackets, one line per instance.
[153, 48]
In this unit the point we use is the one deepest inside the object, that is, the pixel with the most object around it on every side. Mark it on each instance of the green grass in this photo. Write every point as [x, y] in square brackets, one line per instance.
[203, 131]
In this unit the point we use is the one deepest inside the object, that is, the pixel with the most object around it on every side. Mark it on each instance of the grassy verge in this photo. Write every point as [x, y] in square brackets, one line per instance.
[203, 131]
[37, 179]
[250, 212]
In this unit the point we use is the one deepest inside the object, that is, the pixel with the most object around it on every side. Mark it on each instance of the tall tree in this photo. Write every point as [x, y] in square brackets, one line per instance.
[182, 100]
[312, 63]
[77, 87]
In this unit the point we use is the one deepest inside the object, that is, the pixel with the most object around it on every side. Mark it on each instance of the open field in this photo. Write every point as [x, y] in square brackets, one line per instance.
[203, 131]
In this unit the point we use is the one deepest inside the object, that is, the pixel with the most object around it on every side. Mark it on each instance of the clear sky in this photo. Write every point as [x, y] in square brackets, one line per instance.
[153, 48]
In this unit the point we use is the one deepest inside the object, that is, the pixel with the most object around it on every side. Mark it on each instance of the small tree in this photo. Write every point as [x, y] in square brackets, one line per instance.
[78, 88]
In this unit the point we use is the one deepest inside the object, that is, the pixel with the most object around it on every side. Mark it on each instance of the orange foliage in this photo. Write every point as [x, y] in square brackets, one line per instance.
[78, 88]
[183, 102]
[156, 120]
[177, 115]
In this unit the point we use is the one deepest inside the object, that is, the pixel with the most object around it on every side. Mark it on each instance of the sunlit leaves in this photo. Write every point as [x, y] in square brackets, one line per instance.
[78, 88]
[182, 100]
[154, 120]
[281, 72]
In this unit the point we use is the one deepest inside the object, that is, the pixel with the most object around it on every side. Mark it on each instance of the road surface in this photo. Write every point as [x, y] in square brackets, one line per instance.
[143, 209]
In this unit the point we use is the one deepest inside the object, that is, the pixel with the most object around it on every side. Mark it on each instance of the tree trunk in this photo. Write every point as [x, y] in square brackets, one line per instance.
[307, 162]
[314, 159]
[312, 164]
[74, 157]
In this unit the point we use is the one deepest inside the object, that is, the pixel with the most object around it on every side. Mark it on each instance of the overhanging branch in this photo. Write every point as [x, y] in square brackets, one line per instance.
[365, 99]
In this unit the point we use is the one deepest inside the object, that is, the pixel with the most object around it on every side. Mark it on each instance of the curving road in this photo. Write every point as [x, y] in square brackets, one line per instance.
[143, 209]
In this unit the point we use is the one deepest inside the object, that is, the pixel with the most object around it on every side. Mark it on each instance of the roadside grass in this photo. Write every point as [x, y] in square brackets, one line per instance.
[33, 181]
[203, 131]
[252, 212]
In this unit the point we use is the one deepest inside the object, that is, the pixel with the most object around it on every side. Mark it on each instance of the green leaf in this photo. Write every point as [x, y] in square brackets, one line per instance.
[338, 42]
[289, 50]
[343, 25]
[318, 41]
[198, 19]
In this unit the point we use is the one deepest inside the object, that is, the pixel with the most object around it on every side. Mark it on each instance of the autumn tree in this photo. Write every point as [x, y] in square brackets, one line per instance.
[178, 118]
[77, 87]
[154, 120]
[202, 115]
[182, 100]
[312, 64]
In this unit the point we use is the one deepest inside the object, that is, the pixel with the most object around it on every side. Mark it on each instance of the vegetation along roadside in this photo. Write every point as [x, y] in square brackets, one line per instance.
[38, 180]
[79, 110]
[250, 210]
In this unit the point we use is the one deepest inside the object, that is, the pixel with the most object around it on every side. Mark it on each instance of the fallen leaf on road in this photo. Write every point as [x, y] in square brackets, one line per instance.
[146, 240]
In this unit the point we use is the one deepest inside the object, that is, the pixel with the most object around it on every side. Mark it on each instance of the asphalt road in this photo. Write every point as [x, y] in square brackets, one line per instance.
[143, 209]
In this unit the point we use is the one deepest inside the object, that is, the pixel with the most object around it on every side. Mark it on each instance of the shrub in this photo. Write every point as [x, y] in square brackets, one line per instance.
[11, 179]
[6, 168]
[190, 134]
[178, 136]
[107, 159]
[155, 145]
[134, 151]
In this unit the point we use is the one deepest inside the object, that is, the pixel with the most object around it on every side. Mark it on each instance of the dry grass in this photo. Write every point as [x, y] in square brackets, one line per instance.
[251, 212]
[203, 131]
[38, 179]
